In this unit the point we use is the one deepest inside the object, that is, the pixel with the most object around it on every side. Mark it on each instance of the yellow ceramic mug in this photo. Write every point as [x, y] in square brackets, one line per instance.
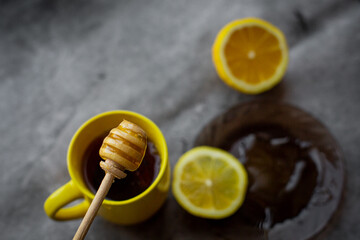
[131, 211]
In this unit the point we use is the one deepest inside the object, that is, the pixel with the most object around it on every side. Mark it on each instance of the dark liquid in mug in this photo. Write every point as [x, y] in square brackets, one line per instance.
[282, 173]
[122, 189]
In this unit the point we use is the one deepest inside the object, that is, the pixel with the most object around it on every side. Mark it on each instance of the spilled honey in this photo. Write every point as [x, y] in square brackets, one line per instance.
[295, 169]
[283, 173]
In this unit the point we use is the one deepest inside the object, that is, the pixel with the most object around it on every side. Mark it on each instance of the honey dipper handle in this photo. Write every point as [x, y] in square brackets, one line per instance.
[94, 207]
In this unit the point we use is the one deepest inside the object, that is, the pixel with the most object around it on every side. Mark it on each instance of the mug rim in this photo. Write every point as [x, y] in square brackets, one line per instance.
[164, 157]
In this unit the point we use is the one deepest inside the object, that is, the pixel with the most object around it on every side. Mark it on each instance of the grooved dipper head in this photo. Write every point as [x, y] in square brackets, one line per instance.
[125, 145]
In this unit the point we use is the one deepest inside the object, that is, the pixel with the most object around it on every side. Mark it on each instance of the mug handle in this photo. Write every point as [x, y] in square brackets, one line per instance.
[64, 195]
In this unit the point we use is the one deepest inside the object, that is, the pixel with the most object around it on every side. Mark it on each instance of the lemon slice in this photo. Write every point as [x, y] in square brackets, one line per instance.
[250, 55]
[209, 182]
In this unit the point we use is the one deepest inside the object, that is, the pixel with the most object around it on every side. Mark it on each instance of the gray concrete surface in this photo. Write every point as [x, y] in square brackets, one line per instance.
[62, 62]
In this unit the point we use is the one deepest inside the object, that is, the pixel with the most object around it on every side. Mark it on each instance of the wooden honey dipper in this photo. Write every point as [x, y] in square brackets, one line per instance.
[122, 149]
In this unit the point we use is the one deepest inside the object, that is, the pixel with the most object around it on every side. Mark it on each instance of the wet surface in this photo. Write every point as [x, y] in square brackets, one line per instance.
[295, 171]
[282, 172]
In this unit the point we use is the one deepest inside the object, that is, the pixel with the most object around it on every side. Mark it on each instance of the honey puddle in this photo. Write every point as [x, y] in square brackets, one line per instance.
[283, 174]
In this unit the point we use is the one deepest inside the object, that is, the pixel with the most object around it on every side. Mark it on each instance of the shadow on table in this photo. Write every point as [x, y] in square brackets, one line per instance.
[172, 222]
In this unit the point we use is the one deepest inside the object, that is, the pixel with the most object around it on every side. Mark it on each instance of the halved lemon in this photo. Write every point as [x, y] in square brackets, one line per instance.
[209, 182]
[250, 55]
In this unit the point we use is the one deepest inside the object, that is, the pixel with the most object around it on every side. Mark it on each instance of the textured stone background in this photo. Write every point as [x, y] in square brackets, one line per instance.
[61, 62]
